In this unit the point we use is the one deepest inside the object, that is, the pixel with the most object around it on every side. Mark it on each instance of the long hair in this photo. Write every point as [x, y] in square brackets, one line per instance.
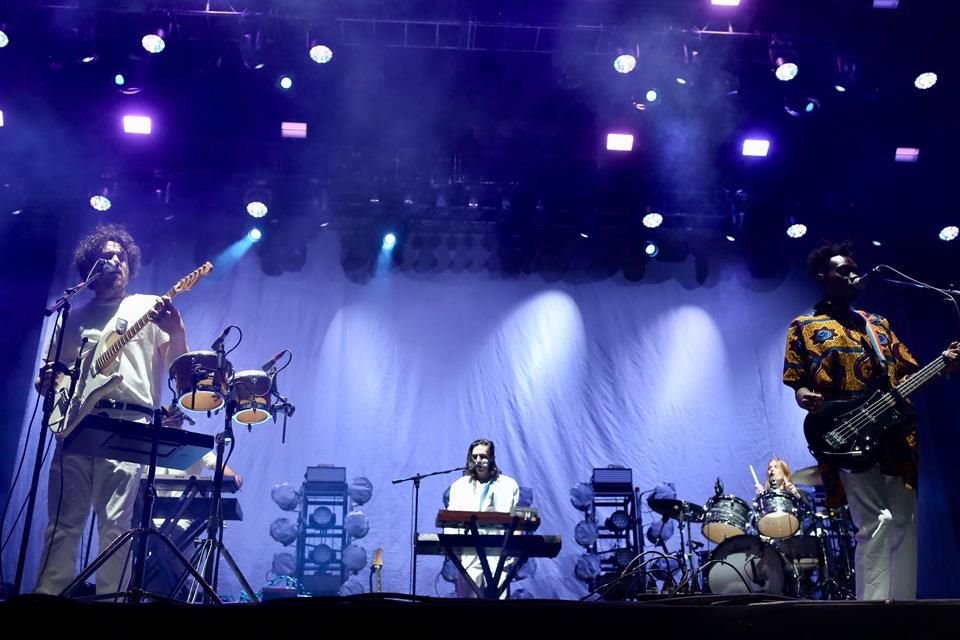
[784, 468]
[88, 250]
[494, 469]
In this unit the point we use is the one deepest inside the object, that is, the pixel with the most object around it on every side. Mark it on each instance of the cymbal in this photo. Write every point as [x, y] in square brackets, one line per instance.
[678, 509]
[808, 476]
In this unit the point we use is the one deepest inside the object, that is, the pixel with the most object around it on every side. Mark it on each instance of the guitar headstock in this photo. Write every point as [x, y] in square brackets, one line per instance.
[377, 558]
[188, 281]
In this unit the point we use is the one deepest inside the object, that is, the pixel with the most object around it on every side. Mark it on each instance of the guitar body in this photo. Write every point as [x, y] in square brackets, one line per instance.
[850, 433]
[93, 385]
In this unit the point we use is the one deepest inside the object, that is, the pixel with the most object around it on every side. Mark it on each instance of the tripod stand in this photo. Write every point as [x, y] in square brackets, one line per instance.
[135, 592]
[206, 558]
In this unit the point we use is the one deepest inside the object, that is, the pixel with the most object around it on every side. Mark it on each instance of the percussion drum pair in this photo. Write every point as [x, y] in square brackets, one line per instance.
[201, 385]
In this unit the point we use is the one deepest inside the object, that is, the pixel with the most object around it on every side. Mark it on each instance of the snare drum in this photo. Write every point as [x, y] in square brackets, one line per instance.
[725, 517]
[251, 393]
[779, 514]
[198, 384]
[746, 564]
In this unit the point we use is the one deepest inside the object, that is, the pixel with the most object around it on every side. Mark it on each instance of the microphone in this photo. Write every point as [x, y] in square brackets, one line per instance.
[859, 281]
[269, 364]
[218, 343]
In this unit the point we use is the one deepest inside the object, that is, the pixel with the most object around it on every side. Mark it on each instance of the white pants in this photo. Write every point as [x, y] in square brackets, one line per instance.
[110, 486]
[886, 558]
[471, 563]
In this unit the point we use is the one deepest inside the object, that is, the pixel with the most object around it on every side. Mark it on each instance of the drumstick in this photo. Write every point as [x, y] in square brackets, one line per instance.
[756, 481]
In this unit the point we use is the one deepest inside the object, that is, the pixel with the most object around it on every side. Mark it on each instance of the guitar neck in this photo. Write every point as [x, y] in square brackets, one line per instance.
[110, 354]
[921, 377]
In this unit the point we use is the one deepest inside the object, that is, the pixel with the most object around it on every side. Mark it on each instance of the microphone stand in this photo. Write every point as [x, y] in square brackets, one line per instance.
[415, 479]
[61, 306]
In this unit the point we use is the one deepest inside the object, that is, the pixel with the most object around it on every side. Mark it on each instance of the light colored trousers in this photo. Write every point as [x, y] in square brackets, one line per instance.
[886, 558]
[110, 486]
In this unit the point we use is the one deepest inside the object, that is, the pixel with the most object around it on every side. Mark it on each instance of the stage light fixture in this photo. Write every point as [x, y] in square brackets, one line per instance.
[255, 234]
[652, 220]
[321, 53]
[138, 125]
[784, 59]
[799, 107]
[250, 50]
[154, 43]
[757, 147]
[796, 230]
[1, 118]
[619, 141]
[949, 233]
[619, 520]
[4, 38]
[906, 154]
[925, 80]
[257, 202]
[389, 241]
[100, 202]
[625, 63]
[285, 82]
[293, 129]
[651, 249]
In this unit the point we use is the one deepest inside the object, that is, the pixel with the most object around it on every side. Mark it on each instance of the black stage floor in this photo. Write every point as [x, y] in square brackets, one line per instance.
[702, 617]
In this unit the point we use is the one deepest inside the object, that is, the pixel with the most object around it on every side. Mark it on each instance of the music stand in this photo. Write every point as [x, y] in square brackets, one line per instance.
[135, 592]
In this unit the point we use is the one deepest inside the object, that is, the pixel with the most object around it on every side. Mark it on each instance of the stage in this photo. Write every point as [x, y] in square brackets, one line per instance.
[675, 617]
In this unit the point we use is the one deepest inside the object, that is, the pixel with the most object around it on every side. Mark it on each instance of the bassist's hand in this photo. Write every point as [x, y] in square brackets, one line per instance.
[952, 357]
[809, 400]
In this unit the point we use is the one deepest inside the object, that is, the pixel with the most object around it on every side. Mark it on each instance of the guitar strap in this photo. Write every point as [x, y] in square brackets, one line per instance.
[874, 342]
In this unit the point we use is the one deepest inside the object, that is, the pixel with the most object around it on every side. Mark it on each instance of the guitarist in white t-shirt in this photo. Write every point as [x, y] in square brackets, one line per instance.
[78, 482]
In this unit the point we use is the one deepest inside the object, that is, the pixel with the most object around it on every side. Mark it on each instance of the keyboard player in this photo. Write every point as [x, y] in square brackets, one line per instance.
[483, 487]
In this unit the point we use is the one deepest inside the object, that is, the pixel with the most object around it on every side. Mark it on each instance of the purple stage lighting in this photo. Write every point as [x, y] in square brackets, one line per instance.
[140, 125]
[1, 118]
[619, 142]
[756, 147]
[725, 3]
[907, 154]
[886, 4]
[293, 129]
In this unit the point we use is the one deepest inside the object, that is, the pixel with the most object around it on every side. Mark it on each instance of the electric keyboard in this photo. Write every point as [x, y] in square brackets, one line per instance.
[526, 546]
[196, 509]
[526, 519]
[204, 484]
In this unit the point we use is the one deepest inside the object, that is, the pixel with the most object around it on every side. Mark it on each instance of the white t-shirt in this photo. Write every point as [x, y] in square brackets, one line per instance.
[141, 362]
[468, 494]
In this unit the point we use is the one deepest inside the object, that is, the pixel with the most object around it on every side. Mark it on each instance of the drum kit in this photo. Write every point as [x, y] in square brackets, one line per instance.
[780, 544]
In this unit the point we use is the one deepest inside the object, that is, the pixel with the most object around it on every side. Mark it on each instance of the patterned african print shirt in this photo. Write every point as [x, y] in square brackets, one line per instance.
[831, 353]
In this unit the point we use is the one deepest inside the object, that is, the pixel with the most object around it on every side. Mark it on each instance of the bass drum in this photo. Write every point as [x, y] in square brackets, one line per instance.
[762, 567]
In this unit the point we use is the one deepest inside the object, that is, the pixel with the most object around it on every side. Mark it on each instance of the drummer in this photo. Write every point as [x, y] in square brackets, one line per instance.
[779, 478]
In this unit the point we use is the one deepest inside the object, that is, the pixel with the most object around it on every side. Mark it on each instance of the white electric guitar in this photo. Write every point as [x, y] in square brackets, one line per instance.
[99, 364]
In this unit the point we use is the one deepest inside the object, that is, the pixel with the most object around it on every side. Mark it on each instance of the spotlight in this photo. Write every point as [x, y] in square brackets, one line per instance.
[651, 249]
[906, 154]
[797, 230]
[925, 80]
[321, 53]
[758, 147]
[293, 129]
[876, 243]
[783, 57]
[800, 107]
[725, 3]
[119, 80]
[730, 238]
[840, 88]
[285, 82]
[139, 125]
[102, 202]
[949, 233]
[389, 241]
[257, 209]
[786, 71]
[153, 42]
[652, 95]
[652, 220]
[681, 80]
[625, 63]
[257, 201]
[619, 142]
[254, 235]
[4, 38]
[1, 118]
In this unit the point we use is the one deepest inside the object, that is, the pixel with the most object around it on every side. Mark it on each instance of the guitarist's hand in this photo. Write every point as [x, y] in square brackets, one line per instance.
[166, 316]
[952, 357]
[809, 400]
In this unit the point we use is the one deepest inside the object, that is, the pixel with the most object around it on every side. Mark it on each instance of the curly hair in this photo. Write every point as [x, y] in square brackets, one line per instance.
[89, 249]
[819, 258]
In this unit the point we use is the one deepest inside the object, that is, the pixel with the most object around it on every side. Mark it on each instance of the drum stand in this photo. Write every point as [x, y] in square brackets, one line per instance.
[206, 558]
